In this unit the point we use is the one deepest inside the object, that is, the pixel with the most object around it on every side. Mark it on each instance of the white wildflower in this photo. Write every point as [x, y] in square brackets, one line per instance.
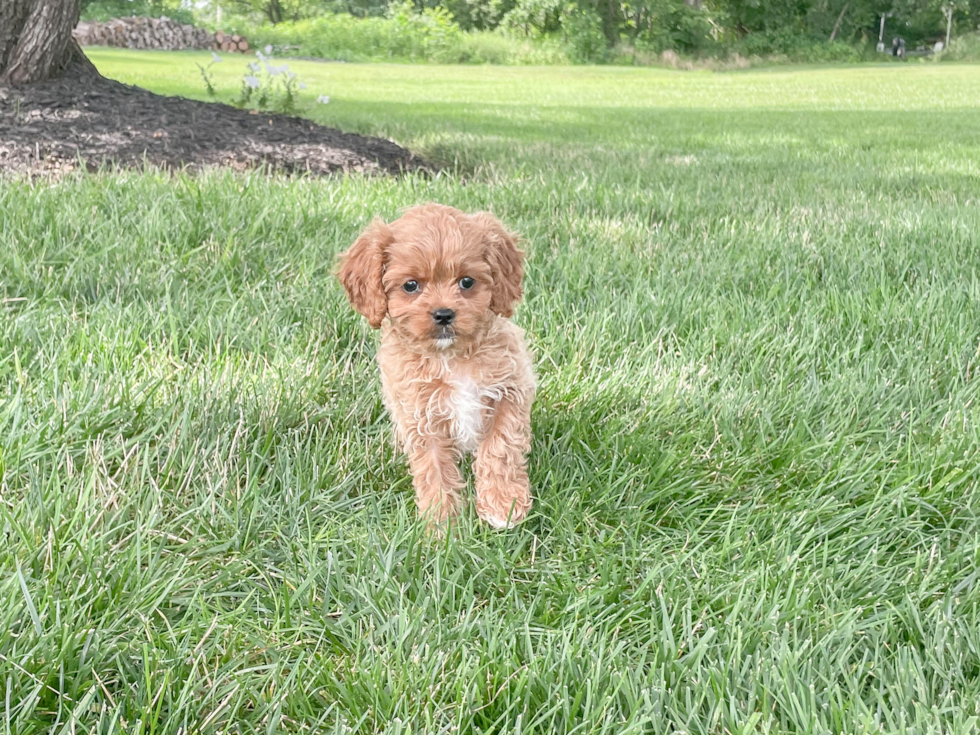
[261, 57]
[302, 86]
[215, 58]
[252, 82]
[254, 67]
[268, 49]
[323, 99]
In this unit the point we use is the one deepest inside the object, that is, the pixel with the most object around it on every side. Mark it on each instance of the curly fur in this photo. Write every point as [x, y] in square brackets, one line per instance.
[450, 390]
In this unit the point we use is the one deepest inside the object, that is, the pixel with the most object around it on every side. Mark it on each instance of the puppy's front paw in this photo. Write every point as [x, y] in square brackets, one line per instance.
[438, 512]
[504, 507]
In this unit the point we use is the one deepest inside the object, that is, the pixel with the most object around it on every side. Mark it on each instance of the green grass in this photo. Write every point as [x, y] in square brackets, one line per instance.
[754, 300]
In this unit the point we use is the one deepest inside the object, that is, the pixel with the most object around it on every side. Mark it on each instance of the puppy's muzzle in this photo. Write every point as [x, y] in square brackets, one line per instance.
[443, 317]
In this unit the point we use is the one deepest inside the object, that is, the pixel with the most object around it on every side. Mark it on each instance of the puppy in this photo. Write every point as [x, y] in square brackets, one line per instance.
[455, 372]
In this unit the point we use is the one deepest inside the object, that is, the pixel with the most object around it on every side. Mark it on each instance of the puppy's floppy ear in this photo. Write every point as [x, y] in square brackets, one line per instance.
[360, 272]
[506, 264]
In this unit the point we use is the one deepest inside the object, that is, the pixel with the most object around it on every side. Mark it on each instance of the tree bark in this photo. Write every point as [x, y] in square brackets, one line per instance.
[36, 42]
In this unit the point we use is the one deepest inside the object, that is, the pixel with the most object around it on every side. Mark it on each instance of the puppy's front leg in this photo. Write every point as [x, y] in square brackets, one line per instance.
[503, 494]
[436, 477]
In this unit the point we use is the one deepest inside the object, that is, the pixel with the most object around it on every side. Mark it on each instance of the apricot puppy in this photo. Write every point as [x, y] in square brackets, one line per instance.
[455, 372]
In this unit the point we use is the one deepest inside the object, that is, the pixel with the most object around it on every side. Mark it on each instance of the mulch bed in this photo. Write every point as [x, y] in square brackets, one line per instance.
[84, 120]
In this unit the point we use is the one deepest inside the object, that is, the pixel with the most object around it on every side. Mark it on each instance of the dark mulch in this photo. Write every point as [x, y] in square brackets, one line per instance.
[51, 127]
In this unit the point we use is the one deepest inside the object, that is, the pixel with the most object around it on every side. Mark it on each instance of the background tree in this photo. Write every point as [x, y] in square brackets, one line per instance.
[35, 40]
[589, 29]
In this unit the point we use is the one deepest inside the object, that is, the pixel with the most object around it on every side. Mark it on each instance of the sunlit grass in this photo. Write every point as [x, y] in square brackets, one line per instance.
[755, 306]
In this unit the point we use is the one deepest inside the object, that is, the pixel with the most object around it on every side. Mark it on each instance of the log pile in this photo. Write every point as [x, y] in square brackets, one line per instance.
[234, 42]
[155, 33]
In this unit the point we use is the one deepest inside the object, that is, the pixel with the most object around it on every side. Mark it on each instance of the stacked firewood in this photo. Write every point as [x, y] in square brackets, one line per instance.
[155, 33]
[233, 42]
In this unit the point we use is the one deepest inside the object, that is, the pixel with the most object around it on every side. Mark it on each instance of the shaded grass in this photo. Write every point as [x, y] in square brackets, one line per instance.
[754, 303]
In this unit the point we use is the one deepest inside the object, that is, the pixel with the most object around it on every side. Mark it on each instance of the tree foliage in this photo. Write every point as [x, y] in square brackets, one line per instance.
[593, 26]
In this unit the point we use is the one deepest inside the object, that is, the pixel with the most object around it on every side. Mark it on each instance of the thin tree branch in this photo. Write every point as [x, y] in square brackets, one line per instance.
[833, 33]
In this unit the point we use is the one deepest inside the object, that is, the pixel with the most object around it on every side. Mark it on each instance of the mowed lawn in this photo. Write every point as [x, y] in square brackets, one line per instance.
[754, 302]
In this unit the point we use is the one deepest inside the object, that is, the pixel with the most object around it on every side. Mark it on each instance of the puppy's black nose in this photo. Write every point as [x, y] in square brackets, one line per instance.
[443, 317]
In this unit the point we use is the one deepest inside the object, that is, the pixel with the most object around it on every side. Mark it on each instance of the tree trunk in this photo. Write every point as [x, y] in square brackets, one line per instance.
[610, 15]
[637, 27]
[833, 33]
[36, 42]
[273, 11]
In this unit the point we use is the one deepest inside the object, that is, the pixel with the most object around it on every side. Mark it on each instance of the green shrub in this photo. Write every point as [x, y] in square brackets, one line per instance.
[964, 48]
[402, 36]
[482, 47]
[787, 45]
[586, 42]
[495, 47]
[433, 36]
[679, 28]
[534, 17]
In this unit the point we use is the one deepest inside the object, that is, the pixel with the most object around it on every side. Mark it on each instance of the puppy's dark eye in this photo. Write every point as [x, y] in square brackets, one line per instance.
[466, 283]
[410, 287]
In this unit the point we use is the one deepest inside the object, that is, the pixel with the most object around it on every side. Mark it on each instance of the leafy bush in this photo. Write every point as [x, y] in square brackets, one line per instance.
[432, 35]
[964, 48]
[826, 52]
[402, 36]
[582, 29]
[781, 41]
[676, 28]
[489, 47]
[534, 18]
[785, 45]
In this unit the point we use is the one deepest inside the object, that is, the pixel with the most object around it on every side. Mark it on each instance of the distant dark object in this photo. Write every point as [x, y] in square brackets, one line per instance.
[899, 51]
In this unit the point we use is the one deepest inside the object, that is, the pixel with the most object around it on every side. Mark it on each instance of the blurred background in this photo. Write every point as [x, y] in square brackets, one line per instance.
[676, 33]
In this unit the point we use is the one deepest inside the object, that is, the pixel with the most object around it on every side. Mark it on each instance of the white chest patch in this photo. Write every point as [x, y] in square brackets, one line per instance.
[468, 413]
